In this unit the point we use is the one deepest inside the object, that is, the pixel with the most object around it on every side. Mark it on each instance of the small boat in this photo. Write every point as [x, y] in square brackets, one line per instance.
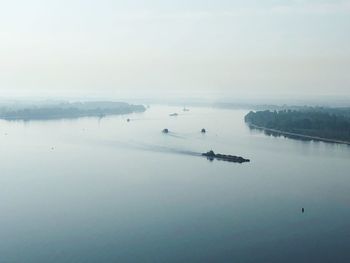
[185, 109]
[229, 158]
[173, 114]
[165, 131]
[203, 130]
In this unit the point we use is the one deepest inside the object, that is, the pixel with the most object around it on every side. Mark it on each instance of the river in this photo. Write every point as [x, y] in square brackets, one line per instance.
[108, 190]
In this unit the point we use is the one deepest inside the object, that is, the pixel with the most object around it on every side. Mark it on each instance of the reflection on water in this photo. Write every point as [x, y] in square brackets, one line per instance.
[108, 190]
[301, 137]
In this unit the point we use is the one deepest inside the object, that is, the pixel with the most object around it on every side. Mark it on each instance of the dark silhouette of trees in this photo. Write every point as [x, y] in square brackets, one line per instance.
[319, 122]
[68, 110]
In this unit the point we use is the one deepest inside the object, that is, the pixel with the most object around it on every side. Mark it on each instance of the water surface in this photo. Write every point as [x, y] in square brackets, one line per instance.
[108, 190]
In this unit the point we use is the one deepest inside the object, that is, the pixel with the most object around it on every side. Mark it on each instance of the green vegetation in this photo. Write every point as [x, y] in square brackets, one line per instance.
[328, 123]
[66, 110]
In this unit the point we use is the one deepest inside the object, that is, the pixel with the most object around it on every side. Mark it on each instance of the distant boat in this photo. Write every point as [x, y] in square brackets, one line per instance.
[165, 131]
[173, 114]
[185, 109]
[203, 131]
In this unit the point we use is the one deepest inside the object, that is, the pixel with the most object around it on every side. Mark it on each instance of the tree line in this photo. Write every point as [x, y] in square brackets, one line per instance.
[326, 123]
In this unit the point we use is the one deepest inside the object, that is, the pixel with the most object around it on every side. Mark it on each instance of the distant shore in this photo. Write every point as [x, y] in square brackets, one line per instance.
[65, 110]
[298, 135]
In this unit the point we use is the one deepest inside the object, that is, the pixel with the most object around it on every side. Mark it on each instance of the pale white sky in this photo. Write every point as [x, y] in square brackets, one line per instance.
[248, 48]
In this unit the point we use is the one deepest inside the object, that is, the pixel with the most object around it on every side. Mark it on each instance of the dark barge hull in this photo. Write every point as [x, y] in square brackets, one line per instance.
[228, 158]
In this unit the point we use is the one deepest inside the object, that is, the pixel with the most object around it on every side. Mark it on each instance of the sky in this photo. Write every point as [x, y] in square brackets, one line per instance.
[227, 48]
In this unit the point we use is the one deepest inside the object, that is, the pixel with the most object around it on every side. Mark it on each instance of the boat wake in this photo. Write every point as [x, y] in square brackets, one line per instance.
[170, 150]
[163, 149]
[176, 135]
[149, 147]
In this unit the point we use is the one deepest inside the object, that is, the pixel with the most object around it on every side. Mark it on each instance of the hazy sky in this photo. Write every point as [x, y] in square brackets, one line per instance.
[246, 47]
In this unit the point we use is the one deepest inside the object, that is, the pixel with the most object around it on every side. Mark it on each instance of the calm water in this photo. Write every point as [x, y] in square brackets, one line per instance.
[105, 190]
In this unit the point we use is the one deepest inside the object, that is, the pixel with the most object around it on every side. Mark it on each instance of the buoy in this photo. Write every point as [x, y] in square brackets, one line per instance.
[303, 210]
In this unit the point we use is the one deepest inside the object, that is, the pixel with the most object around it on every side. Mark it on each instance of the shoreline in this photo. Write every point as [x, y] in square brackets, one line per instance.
[299, 135]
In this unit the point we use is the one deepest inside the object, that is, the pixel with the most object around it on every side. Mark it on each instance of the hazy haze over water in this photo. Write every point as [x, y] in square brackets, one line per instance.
[117, 189]
[117, 49]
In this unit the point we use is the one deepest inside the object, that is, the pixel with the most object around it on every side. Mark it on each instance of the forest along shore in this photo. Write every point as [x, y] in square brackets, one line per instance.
[292, 134]
[54, 110]
[321, 124]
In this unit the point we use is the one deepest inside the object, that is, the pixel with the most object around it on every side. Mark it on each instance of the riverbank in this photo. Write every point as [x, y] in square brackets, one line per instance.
[66, 110]
[302, 136]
